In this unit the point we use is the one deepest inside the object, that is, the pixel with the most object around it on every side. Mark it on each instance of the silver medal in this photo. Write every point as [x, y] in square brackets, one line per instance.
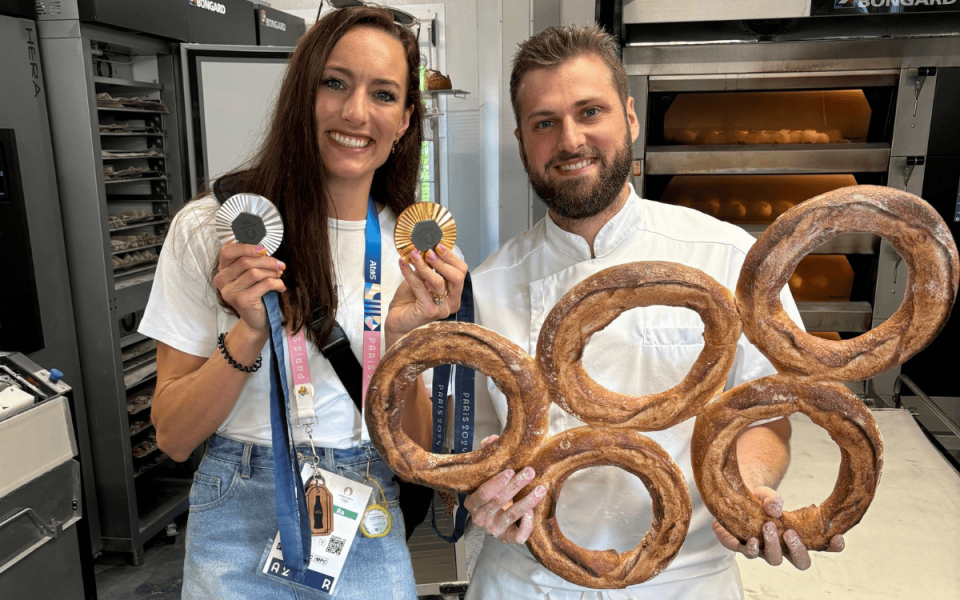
[249, 219]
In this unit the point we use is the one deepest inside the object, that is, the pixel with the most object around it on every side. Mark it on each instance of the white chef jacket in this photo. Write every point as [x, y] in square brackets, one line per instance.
[643, 351]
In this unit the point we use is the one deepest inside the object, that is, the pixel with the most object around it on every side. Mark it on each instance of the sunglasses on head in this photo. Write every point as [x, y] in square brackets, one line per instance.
[400, 17]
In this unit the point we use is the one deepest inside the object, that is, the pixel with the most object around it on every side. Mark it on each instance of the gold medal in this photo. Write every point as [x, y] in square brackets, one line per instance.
[376, 521]
[422, 226]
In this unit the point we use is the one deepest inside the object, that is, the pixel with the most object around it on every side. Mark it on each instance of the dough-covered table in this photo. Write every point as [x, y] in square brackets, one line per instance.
[906, 546]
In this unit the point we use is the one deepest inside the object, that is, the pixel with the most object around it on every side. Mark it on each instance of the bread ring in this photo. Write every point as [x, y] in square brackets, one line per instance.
[514, 372]
[915, 231]
[595, 302]
[585, 447]
[830, 405]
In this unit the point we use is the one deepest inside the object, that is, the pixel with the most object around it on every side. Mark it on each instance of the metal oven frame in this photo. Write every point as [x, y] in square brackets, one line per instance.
[910, 64]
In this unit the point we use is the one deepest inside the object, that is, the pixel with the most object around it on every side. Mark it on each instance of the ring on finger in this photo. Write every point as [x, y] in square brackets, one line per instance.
[439, 299]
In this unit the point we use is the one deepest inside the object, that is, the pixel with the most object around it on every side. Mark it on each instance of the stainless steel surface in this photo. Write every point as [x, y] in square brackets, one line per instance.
[639, 91]
[914, 109]
[891, 282]
[811, 54]
[918, 499]
[654, 11]
[39, 438]
[790, 57]
[637, 177]
[39, 545]
[775, 159]
[851, 317]
[38, 512]
[40, 492]
[773, 81]
[906, 177]
[846, 243]
[931, 406]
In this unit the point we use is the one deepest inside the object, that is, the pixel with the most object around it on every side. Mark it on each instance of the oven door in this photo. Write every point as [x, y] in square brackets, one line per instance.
[744, 148]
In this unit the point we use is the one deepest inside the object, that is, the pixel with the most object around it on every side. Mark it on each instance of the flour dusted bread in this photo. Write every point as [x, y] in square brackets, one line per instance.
[828, 404]
[915, 231]
[595, 302]
[585, 447]
[513, 370]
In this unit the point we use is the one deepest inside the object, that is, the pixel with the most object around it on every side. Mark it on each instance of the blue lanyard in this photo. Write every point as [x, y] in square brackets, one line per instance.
[463, 394]
[371, 298]
[292, 515]
[463, 389]
[291, 503]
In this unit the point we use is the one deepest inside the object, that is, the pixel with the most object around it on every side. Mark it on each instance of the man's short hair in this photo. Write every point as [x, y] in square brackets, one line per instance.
[556, 45]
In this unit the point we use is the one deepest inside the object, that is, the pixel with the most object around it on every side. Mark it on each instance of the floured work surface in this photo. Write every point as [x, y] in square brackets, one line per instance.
[906, 546]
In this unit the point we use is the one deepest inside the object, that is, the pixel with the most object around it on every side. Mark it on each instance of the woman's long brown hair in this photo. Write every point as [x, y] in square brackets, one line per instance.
[289, 171]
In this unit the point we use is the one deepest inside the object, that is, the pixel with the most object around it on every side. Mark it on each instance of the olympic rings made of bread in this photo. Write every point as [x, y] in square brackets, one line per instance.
[828, 404]
[810, 368]
[595, 302]
[515, 373]
[915, 231]
[585, 447]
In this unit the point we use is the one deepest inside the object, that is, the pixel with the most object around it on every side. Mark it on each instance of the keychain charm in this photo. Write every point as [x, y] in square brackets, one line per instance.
[319, 506]
[376, 521]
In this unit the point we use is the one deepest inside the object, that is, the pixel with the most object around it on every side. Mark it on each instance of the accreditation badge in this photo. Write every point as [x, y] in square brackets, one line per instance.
[328, 552]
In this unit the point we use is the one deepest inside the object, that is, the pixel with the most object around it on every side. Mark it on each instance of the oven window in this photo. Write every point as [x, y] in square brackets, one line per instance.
[765, 118]
[746, 199]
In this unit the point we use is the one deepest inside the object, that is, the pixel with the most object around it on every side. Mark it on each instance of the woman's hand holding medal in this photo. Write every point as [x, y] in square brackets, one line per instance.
[431, 291]
[244, 274]
[425, 236]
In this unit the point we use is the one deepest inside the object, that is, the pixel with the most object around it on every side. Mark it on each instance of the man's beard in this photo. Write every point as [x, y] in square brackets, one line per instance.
[580, 198]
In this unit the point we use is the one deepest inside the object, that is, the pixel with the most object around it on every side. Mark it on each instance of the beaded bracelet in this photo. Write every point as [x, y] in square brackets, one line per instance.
[233, 363]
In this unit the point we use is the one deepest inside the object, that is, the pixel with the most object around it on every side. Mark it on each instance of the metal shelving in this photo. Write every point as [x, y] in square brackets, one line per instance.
[760, 160]
[139, 490]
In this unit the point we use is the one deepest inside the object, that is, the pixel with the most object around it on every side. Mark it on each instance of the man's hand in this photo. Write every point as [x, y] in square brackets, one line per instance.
[492, 507]
[772, 552]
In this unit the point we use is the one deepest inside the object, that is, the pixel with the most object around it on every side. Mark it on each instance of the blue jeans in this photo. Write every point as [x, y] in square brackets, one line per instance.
[233, 520]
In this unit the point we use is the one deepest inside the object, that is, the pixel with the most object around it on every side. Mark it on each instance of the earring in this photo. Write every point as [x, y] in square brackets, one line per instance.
[393, 147]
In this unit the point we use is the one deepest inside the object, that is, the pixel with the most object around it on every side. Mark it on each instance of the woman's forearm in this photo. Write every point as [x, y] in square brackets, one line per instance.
[194, 395]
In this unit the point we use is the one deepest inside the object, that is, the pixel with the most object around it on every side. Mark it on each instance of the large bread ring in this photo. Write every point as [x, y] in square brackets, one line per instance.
[595, 302]
[915, 231]
[514, 372]
[828, 404]
[584, 447]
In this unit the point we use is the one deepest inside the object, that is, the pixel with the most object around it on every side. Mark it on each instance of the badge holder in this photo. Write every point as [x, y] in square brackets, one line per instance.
[376, 521]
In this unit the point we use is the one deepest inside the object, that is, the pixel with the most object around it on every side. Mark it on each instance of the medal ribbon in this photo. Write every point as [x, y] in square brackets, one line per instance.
[371, 297]
[292, 517]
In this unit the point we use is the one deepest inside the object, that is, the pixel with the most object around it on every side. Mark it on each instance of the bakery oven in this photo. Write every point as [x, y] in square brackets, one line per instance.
[742, 120]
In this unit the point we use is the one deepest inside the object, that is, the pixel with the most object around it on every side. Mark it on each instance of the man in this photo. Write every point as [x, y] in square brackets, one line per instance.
[575, 127]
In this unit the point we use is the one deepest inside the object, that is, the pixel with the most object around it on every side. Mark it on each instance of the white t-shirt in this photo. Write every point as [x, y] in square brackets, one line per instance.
[643, 351]
[183, 313]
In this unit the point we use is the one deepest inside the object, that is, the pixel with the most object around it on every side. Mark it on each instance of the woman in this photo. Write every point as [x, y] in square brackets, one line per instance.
[347, 127]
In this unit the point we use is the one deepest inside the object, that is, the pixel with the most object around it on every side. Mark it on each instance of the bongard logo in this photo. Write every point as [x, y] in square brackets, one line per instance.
[209, 5]
[268, 22]
[889, 3]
